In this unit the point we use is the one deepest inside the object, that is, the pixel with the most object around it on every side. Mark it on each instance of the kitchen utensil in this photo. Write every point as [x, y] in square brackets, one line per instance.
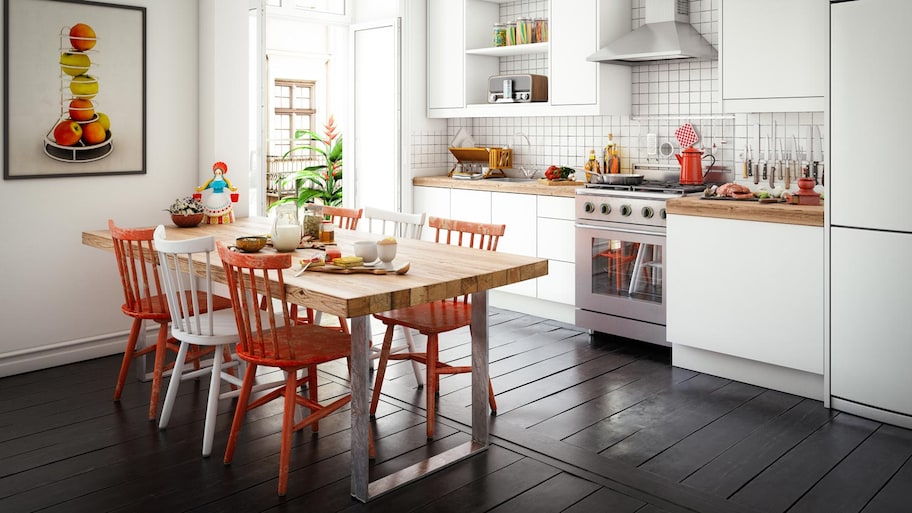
[619, 179]
[780, 164]
[651, 146]
[399, 269]
[666, 149]
[686, 135]
[818, 156]
[692, 166]
[766, 158]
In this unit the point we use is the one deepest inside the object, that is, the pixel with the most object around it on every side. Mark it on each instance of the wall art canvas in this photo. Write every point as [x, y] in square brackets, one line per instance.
[74, 89]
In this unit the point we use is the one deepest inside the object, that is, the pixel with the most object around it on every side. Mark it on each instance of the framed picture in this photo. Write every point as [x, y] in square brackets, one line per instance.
[74, 89]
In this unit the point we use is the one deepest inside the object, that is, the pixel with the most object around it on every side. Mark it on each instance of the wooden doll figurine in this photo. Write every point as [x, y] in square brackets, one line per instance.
[217, 207]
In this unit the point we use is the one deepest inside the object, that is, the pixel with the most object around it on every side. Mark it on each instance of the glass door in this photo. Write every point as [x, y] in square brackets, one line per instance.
[621, 273]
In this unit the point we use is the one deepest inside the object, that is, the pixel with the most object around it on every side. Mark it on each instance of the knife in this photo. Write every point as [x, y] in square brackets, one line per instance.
[815, 167]
[757, 167]
[790, 164]
[771, 160]
[766, 157]
[780, 164]
[778, 144]
[747, 149]
[793, 162]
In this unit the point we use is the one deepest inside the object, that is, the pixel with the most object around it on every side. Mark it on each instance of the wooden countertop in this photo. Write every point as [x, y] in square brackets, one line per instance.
[531, 187]
[747, 210]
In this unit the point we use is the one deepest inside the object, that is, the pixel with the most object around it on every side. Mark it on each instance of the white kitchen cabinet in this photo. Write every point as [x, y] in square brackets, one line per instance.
[453, 75]
[434, 201]
[579, 29]
[468, 205]
[774, 55]
[751, 292]
[870, 329]
[461, 59]
[870, 287]
[555, 241]
[517, 212]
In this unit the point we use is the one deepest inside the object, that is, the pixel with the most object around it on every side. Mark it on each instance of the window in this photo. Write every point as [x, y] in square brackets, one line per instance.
[294, 110]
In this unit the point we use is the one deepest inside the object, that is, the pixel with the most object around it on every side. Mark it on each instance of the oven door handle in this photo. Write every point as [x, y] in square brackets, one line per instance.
[619, 230]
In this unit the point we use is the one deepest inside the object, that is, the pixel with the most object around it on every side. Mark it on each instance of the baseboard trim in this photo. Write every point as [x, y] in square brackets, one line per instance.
[532, 306]
[762, 374]
[870, 412]
[62, 353]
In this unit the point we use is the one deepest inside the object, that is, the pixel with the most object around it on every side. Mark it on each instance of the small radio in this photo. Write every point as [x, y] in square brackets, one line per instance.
[517, 88]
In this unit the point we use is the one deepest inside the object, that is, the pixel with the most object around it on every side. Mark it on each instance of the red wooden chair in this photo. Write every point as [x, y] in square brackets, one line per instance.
[290, 347]
[438, 317]
[145, 300]
[619, 260]
[346, 218]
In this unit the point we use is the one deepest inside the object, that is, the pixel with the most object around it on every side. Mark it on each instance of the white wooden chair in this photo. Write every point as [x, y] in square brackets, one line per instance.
[195, 323]
[405, 225]
[396, 224]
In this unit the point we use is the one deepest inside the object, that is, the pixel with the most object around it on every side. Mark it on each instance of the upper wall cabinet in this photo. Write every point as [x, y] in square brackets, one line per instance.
[773, 55]
[461, 59]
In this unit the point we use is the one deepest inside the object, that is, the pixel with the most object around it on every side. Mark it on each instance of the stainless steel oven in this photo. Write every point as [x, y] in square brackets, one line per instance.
[620, 258]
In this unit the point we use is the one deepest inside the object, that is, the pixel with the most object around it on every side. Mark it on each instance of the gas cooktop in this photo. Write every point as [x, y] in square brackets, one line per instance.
[672, 188]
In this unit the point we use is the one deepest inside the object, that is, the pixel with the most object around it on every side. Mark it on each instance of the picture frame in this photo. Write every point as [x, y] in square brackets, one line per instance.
[58, 72]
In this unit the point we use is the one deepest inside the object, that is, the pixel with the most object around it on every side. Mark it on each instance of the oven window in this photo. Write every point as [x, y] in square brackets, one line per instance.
[627, 269]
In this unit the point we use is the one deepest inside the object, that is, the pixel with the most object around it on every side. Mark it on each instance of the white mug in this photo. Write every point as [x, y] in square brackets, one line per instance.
[366, 249]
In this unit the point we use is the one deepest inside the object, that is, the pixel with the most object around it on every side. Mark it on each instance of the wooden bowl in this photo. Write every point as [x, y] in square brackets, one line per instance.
[187, 221]
[250, 244]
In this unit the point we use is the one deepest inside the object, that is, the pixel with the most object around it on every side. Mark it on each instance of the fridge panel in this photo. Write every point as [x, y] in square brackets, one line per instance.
[869, 177]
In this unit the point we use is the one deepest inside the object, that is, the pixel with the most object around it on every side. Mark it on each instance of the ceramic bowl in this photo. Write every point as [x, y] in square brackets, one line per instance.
[366, 249]
[250, 244]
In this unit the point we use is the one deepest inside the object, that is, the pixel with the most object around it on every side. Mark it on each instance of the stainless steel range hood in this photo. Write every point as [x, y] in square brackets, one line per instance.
[667, 34]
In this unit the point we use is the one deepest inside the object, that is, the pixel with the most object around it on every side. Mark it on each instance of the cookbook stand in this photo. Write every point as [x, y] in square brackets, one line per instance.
[491, 160]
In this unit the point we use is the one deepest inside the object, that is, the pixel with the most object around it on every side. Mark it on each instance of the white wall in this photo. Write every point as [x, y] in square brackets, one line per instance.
[61, 300]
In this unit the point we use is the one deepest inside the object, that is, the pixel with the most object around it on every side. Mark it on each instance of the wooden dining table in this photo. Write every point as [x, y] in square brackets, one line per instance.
[435, 272]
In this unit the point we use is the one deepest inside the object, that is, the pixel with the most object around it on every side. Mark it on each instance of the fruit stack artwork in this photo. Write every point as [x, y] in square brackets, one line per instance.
[82, 133]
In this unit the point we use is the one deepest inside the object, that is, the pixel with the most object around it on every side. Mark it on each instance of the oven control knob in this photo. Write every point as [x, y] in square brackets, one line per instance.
[626, 210]
[647, 212]
[605, 209]
[589, 207]
[662, 213]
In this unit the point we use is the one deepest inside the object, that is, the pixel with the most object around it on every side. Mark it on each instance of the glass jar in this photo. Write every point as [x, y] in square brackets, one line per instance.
[540, 30]
[311, 223]
[327, 232]
[500, 34]
[511, 34]
[523, 31]
[286, 230]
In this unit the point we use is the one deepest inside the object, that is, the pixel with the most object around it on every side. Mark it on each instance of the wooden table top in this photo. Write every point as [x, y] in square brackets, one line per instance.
[436, 271]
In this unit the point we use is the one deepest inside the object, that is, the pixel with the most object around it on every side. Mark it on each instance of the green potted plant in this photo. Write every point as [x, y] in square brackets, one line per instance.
[186, 212]
[322, 182]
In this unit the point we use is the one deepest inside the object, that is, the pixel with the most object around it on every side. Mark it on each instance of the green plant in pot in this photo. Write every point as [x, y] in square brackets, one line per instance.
[322, 182]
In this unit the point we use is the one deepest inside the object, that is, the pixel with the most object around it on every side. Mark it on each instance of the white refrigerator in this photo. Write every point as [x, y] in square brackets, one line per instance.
[870, 212]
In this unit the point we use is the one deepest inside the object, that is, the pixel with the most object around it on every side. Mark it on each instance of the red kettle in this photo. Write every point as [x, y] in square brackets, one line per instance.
[692, 166]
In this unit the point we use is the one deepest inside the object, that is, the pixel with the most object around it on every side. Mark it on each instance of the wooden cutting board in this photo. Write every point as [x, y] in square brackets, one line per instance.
[401, 268]
[545, 181]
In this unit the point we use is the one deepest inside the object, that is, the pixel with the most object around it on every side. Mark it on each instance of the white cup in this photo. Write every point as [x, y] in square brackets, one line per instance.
[366, 249]
[386, 253]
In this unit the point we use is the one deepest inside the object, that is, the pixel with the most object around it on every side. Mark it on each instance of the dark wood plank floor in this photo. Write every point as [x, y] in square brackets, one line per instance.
[582, 426]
